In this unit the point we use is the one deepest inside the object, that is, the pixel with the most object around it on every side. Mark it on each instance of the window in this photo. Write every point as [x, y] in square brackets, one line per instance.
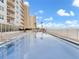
[17, 2]
[2, 17]
[2, 1]
[1, 8]
[17, 7]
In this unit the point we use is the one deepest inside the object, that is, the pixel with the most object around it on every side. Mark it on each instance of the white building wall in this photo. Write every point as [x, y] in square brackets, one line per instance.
[17, 13]
[3, 11]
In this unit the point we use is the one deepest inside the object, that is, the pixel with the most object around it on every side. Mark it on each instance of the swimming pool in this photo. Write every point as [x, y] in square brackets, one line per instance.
[16, 48]
[38, 45]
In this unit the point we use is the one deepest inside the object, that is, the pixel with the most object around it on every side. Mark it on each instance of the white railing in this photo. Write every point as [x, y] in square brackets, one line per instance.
[71, 33]
[6, 28]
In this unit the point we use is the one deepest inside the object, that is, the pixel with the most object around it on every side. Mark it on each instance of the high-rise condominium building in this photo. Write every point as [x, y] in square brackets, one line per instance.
[12, 12]
[16, 13]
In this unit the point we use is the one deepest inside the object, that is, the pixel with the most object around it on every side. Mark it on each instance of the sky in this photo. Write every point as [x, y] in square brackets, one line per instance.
[55, 13]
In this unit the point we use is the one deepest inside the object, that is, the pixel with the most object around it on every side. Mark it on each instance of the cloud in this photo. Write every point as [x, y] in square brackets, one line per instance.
[63, 12]
[76, 3]
[47, 22]
[72, 13]
[39, 17]
[66, 24]
[49, 19]
[45, 25]
[39, 12]
[72, 23]
[44, 20]
[51, 25]
[38, 25]
[27, 3]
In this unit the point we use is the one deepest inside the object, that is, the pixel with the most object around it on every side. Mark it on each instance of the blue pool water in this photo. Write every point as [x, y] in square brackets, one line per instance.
[15, 49]
[38, 46]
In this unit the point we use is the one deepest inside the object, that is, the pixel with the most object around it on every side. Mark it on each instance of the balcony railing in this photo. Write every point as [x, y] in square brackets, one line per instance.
[8, 27]
[22, 6]
[10, 2]
[10, 9]
[11, 16]
[22, 19]
[22, 22]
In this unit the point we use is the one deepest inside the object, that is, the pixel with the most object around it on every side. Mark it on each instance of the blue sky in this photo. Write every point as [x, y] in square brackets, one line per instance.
[55, 13]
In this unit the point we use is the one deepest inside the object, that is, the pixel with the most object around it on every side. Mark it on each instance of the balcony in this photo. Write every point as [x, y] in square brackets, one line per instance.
[11, 9]
[22, 11]
[10, 21]
[11, 2]
[22, 19]
[22, 16]
[21, 26]
[22, 22]
[22, 6]
[10, 16]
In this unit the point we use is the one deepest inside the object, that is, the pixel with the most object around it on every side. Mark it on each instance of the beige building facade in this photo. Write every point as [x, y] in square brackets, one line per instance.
[10, 11]
[26, 17]
[32, 22]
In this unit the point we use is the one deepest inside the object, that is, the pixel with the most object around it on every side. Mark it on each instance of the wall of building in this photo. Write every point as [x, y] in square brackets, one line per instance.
[19, 13]
[17, 10]
[16, 13]
[26, 17]
[32, 22]
[22, 13]
[10, 20]
[3, 11]
[10, 11]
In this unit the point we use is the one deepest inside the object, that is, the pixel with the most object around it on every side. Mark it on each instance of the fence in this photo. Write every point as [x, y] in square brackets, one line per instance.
[7, 31]
[8, 27]
[72, 34]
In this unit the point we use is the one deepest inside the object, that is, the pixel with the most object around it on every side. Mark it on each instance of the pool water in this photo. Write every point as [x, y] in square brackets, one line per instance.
[15, 49]
[38, 45]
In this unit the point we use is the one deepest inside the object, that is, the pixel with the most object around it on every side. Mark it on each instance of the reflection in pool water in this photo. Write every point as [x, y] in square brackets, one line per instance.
[15, 49]
[30, 46]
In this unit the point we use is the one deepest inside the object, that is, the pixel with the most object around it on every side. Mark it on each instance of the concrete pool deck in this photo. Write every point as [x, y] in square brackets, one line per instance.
[4, 36]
